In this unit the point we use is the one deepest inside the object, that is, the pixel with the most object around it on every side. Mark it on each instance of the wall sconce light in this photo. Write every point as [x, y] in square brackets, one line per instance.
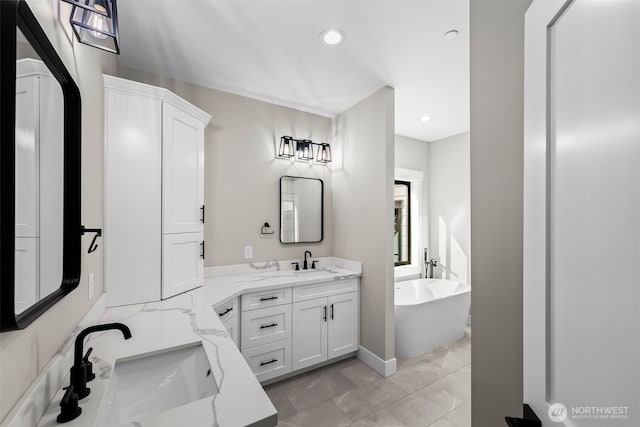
[286, 149]
[95, 23]
[324, 153]
[304, 150]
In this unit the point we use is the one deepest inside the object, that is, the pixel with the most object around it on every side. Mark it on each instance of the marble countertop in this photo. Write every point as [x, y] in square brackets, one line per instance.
[181, 320]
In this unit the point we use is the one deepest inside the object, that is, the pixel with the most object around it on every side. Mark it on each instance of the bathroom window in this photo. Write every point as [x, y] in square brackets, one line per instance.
[401, 223]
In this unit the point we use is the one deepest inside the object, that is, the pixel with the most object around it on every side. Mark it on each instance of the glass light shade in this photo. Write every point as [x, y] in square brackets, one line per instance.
[100, 7]
[324, 153]
[305, 150]
[96, 26]
[286, 149]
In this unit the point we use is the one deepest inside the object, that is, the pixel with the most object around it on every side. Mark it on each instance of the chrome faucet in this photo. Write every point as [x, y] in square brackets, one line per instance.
[429, 265]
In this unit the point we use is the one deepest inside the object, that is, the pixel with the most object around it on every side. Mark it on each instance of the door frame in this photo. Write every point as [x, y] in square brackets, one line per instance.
[539, 18]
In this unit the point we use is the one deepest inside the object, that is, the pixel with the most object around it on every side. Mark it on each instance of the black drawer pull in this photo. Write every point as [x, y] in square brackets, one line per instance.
[225, 312]
[331, 311]
[325, 313]
[202, 214]
[202, 250]
[268, 326]
[268, 299]
[269, 362]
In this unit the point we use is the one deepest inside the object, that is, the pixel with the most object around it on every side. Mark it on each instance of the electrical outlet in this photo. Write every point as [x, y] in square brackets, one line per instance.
[91, 289]
[248, 252]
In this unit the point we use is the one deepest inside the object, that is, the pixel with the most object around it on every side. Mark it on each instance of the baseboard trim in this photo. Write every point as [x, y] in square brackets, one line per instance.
[385, 368]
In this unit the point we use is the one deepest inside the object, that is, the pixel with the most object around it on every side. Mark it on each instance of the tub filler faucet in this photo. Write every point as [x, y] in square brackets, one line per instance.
[429, 265]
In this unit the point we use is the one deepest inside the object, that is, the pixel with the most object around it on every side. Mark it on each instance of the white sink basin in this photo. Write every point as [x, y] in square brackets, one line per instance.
[148, 384]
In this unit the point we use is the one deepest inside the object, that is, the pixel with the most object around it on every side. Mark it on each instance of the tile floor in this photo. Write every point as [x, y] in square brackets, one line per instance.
[433, 390]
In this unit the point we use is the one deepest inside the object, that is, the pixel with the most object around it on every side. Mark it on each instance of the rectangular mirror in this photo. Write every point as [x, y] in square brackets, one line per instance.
[39, 147]
[40, 171]
[301, 210]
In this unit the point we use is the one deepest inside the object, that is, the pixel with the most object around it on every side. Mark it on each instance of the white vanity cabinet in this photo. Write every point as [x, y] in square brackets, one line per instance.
[287, 329]
[227, 311]
[154, 192]
[265, 332]
[324, 328]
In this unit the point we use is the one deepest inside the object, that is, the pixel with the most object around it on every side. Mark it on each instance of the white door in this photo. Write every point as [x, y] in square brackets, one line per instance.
[343, 324]
[27, 155]
[309, 344]
[582, 212]
[51, 147]
[182, 171]
[132, 198]
[182, 263]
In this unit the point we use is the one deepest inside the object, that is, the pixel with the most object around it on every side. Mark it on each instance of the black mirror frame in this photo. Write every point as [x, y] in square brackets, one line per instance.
[16, 14]
[321, 209]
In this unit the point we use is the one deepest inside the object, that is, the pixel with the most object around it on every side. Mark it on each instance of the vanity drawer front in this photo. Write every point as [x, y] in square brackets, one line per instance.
[269, 298]
[269, 360]
[319, 290]
[227, 309]
[265, 325]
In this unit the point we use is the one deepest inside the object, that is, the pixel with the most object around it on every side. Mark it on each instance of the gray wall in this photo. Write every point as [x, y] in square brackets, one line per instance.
[497, 75]
[363, 211]
[23, 354]
[449, 207]
[242, 175]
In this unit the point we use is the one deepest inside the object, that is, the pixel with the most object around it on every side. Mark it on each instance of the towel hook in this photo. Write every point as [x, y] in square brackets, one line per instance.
[93, 246]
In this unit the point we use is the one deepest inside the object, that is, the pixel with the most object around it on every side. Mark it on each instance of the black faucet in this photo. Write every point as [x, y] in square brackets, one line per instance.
[304, 265]
[82, 371]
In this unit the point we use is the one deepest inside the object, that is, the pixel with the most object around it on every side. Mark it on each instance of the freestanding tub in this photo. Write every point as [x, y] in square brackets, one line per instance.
[429, 313]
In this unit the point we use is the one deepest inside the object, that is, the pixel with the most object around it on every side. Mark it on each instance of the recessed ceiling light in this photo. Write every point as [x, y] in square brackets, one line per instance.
[450, 35]
[332, 36]
[425, 119]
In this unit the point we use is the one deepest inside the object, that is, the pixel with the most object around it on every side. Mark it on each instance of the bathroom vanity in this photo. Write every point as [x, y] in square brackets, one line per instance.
[241, 329]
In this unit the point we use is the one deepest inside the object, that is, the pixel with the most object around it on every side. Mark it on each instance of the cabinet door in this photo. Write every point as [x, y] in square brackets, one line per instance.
[343, 324]
[27, 156]
[232, 325]
[132, 198]
[309, 344]
[26, 271]
[182, 171]
[182, 263]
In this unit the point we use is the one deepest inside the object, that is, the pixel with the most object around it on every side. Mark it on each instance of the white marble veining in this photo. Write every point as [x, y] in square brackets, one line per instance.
[186, 319]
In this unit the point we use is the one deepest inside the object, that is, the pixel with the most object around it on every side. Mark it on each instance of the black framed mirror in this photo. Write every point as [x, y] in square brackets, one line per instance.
[40, 171]
[301, 210]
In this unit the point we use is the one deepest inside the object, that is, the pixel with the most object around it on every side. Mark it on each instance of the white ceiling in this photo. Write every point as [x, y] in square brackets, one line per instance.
[271, 50]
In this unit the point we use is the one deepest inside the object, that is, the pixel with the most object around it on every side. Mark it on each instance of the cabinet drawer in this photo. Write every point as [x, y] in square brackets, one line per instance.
[319, 290]
[265, 325]
[269, 360]
[266, 299]
[227, 309]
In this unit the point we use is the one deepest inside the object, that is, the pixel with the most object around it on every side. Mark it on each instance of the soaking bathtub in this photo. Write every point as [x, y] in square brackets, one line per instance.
[429, 313]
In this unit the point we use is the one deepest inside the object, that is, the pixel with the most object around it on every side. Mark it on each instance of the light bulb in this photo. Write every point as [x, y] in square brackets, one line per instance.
[98, 22]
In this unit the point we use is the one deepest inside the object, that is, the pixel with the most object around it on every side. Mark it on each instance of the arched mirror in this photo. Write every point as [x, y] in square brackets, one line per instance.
[39, 171]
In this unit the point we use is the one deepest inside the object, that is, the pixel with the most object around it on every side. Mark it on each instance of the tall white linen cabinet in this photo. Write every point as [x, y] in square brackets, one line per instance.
[153, 193]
